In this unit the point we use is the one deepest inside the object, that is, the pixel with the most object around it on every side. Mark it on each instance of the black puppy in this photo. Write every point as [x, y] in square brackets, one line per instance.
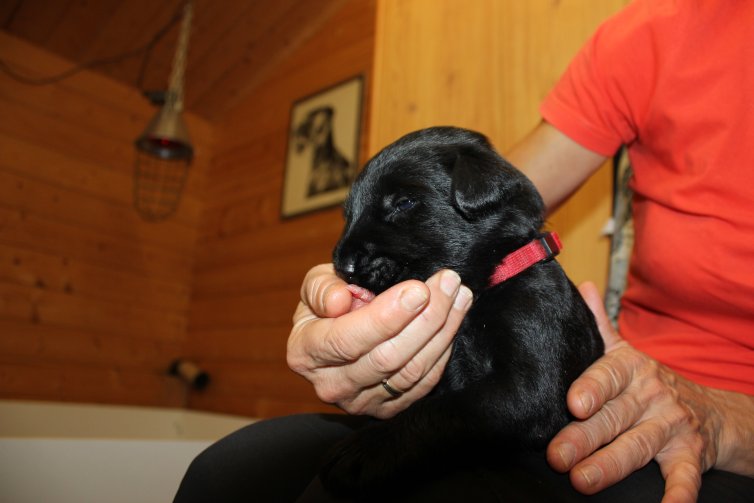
[443, 198]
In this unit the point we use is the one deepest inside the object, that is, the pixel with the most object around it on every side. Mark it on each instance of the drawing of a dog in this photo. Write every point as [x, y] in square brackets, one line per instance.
[329, 169]
[443, 198]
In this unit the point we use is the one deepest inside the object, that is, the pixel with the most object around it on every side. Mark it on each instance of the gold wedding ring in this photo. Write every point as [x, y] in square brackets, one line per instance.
[392, 391]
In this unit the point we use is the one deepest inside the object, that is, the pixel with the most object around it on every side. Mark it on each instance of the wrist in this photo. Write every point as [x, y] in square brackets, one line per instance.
[735, 440]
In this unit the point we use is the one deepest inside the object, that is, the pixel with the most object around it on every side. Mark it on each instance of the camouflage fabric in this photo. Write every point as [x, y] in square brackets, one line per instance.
[622, 241]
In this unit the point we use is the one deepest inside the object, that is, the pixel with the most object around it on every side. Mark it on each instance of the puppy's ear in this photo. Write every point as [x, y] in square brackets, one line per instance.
[480, 181]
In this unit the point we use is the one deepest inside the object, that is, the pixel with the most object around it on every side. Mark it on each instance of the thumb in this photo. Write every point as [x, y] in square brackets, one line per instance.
[324, 293]
[593, 299]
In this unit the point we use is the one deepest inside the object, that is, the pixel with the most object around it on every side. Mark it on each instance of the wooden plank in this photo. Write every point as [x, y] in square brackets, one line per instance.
[63, 275]
[31, 232]
[65, 137]
[262, 56]
[26, 157]
[318, 231]
[96, 86]
[37, 18]
[262, 309]
[79, 108]
[300, 81]
[241, 217]
[251, 344]
[40, 343]
[75, 138]
[257, 390]
[36, 305]
[279, 271]
[205, 71]
[89, 384]
[8, 11]
[262, 379]
[131, 25]
[350, 31]
[243, 167]
[78, 27]
[98, 106]
[54, 203]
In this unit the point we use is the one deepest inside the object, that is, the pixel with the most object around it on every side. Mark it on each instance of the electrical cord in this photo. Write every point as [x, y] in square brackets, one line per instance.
[146, 49]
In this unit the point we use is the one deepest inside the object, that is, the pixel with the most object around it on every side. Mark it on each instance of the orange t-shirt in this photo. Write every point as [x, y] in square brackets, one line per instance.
[674, 80]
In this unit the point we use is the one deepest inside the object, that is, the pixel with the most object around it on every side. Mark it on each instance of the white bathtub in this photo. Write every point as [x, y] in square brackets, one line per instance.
[61, 453]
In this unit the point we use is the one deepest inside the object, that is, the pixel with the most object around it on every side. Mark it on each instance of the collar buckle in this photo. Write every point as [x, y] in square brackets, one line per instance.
[551, 245]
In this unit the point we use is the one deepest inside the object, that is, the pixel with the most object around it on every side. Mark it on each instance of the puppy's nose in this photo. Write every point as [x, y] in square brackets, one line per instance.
[349, 265]
[347, 258]
[345, 265]
[348, 268]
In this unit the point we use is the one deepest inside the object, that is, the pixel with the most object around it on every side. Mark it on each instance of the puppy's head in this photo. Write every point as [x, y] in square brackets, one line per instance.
[436, 198]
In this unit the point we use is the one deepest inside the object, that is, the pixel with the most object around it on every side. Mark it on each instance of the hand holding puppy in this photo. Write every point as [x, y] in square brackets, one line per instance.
[403, 335]
[633, 409]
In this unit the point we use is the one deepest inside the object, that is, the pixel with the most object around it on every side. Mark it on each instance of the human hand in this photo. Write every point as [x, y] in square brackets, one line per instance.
[632, 409]
[404, 335]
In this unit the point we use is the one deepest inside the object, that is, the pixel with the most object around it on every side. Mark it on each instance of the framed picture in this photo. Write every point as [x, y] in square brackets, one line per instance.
[323, 148]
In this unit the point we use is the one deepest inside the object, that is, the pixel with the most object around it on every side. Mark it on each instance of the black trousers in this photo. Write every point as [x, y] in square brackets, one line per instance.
[277, 461]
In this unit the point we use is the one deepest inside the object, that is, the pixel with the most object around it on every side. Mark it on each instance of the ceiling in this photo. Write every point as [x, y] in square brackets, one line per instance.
[234, 43]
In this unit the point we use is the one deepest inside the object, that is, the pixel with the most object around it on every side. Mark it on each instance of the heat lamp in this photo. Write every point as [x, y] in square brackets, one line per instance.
[164, 151]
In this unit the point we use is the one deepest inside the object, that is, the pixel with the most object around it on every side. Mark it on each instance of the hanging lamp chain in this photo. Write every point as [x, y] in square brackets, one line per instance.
[174, 98]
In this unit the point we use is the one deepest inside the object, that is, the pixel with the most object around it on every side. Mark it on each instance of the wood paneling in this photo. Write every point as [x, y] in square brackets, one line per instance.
[235, 44]
[93, 300]
[249, 263]
[487, 65]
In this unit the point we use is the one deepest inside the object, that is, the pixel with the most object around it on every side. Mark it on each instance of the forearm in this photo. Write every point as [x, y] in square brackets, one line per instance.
[556, 164]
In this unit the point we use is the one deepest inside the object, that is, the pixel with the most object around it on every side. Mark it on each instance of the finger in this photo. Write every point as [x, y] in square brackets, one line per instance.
[683, 478]
[325, 293]
[317, 343]
[378, 403]
[604, 380]
[395, 353]
[581, 438]
[345, 339]
[626, 454]
[593, 299]
[426, 366]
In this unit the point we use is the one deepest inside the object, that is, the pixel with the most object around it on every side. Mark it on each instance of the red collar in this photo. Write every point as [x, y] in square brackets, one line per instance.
[542, 249]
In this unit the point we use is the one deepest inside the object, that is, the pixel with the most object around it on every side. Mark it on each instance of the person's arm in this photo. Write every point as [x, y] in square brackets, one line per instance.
[632, 409]
[555, 163]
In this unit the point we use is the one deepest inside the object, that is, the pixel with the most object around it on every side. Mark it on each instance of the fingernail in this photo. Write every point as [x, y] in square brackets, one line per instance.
[449, 283]
[413, 298]
[567, 454]
[463, 299]
[591, 474]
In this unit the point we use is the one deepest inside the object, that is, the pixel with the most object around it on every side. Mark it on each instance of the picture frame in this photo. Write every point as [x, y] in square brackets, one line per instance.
[322, 155]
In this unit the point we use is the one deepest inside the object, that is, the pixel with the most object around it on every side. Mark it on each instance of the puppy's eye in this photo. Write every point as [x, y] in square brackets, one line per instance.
[405, 204]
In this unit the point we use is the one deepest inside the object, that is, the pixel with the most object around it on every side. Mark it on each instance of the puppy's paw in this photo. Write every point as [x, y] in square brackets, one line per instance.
[365, 463]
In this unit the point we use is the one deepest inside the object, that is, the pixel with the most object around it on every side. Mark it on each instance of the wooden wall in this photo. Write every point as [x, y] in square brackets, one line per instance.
[93, 300]
[487, 65]
[249, 263]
